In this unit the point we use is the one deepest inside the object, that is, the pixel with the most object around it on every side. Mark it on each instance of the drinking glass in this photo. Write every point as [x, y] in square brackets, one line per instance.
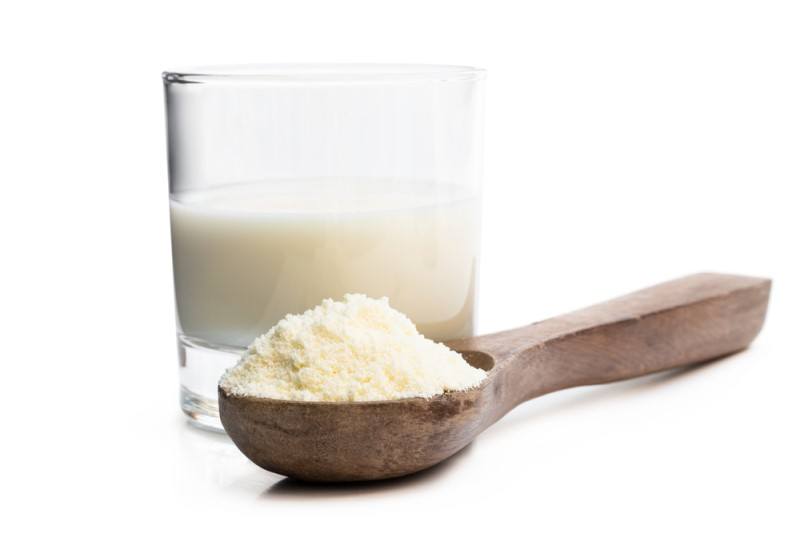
[290, 184]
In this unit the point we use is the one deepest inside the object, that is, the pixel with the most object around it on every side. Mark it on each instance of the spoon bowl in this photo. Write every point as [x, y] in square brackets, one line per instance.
[685, 321]
[332, 441]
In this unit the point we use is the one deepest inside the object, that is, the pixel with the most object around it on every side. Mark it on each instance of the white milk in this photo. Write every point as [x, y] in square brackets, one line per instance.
[245, 256]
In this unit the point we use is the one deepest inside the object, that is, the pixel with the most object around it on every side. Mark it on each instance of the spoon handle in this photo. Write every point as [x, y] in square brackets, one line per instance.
[682, 322]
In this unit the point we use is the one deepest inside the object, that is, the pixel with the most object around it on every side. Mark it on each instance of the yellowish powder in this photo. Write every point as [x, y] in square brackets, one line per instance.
[356, 350]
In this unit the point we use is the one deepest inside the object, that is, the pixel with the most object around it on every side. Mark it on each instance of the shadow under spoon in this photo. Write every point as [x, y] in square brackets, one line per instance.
[678, 323]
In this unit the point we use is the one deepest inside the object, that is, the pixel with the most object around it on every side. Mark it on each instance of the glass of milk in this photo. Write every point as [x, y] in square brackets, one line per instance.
[290, 184]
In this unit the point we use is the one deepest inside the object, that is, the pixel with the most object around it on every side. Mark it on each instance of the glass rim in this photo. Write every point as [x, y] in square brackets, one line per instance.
[324, 73]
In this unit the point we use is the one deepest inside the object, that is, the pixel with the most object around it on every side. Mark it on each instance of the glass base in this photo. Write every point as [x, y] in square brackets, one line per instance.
[201, 366]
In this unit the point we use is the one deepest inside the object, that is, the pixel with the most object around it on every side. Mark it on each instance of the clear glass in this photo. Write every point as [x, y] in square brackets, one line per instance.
[294, 183]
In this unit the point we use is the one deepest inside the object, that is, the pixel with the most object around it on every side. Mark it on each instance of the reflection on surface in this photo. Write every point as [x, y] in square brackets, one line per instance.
[210, 459]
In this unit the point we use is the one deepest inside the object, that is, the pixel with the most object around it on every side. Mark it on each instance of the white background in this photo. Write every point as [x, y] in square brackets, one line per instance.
[626, 143]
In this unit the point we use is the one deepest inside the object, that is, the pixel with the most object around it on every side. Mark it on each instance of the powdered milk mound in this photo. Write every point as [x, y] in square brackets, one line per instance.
[359, 349]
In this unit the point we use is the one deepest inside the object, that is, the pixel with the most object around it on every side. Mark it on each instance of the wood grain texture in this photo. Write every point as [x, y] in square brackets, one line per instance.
[685, 321]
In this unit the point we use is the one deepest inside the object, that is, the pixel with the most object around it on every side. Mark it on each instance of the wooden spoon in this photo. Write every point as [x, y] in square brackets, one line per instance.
[677, 323]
